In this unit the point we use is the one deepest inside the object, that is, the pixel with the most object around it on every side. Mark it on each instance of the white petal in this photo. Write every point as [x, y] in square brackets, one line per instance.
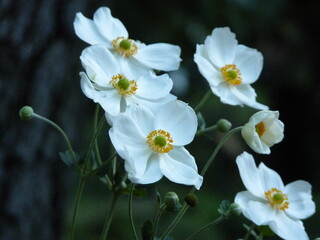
[288, 228]
[179, 120]
[86, 30]
[131, 67]
[250, 175]
[226, 96]
[112, 103]
[269, 178]
[160, 56]
[206, 68]
[260, 213]
[152, 171]
[221, 46]
[87, 87]
[250, 62]
[299, 194]
[179, 170]
[151, 86]
[154, 104]
[110, 27]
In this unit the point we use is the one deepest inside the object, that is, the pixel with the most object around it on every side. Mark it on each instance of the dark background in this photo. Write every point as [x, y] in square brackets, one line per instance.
[39, 66]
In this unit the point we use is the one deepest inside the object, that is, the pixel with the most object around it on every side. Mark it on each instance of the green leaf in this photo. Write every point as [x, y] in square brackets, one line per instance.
[201, 121]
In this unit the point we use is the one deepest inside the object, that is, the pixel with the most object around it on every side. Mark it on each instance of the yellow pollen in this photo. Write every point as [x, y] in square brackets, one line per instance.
[123, 85]
[124, 46]
[277, 199]
[160, 141]
[260, 128]
[231, 74]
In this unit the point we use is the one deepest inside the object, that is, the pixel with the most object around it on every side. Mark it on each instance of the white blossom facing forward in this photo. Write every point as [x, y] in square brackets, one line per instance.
[229, 68]
[152, 145]
[268, 201]
[137, 56]
[114, 89]
[263, 130]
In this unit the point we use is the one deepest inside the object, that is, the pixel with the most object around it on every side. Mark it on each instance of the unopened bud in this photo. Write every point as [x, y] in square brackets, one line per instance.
[223, 125]
[191, 199]
[235, 209]
[26, 113]
[171, 199]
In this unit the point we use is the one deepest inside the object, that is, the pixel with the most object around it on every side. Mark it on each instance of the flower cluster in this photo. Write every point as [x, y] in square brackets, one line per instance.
[150, 126]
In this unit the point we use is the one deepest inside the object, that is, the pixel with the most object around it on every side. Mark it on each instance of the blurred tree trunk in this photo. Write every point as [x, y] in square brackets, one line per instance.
[38, 67]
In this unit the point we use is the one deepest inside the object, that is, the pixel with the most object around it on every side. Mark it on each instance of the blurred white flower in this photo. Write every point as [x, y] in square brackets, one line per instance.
[152, 145]
[229, 68]
[136, 56]
[268, 201]
[107, 84]
[263, 130]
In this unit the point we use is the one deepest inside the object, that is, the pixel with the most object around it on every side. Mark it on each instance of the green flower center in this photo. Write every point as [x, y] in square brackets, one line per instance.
[125, 44]
[231, 74]
[277, 199]
[160, 141]
[123, 84]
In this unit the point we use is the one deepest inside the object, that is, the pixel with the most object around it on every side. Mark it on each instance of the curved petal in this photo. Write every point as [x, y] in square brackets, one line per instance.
[160, 56]
[87, 30]
[131, 68]
[110, 27]
[151, 86]
[250, 175]
[206, 68]
[250, 62]
[300, 199]
[179, 172]
[112, 103]
[180, 120]
[288, 228]
[260, 213]
[155, 104]
[269, 178]
[221, 46]
[152, 171]
[225, 95]
[87, 87]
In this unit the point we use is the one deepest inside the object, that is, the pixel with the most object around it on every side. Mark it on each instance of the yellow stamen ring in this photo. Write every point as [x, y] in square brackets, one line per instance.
[277, 199]
[160, 141]
[124, 46]
[260, 128]
[123, 85]
[231, 74]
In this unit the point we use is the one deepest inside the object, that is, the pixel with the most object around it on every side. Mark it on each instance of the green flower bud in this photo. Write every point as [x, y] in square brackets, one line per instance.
[191, 199]
[171, 200]
[223, 125]
[26, 113]
[235, 209]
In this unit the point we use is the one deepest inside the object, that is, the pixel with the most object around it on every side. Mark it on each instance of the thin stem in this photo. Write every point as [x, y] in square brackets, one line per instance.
[101, 166]
[208, 129]
[96, 146]
[246, 237]
[76, 206]
[157, 218]
[203, 101]
[211, 224]
[109, 217]
[130, 212]
[175, 221]
[64, 135]
[216, 150]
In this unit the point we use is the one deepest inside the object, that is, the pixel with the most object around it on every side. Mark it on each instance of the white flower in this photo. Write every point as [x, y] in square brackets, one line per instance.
[229, 68]
[269, 202]
[105, 83]
[152, 145]
[263, 130]
[138, 57]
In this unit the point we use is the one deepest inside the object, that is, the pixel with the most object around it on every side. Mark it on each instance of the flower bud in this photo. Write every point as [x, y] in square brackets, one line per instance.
[235, 209]
[191, 199]
[26, 113]
[223, 125]
[171, 199]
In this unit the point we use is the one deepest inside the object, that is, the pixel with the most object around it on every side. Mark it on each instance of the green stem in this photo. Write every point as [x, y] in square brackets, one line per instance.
[130, 212]
[101, 166]
[109, 217]
[157, 218]
[76, 206]
[246, 237]
[208, 129]
[203, 101]
[64, 135]
[96, 146]
[211, 224]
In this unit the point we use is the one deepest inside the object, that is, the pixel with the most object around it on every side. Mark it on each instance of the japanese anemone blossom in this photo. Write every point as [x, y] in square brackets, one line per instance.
[268, 201]
[263, 130]
[152, 145]
[134, 55]
[114, 89]
[229, 68]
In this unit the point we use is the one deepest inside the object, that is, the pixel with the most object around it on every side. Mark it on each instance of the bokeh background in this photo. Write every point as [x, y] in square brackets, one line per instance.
[39, 66]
